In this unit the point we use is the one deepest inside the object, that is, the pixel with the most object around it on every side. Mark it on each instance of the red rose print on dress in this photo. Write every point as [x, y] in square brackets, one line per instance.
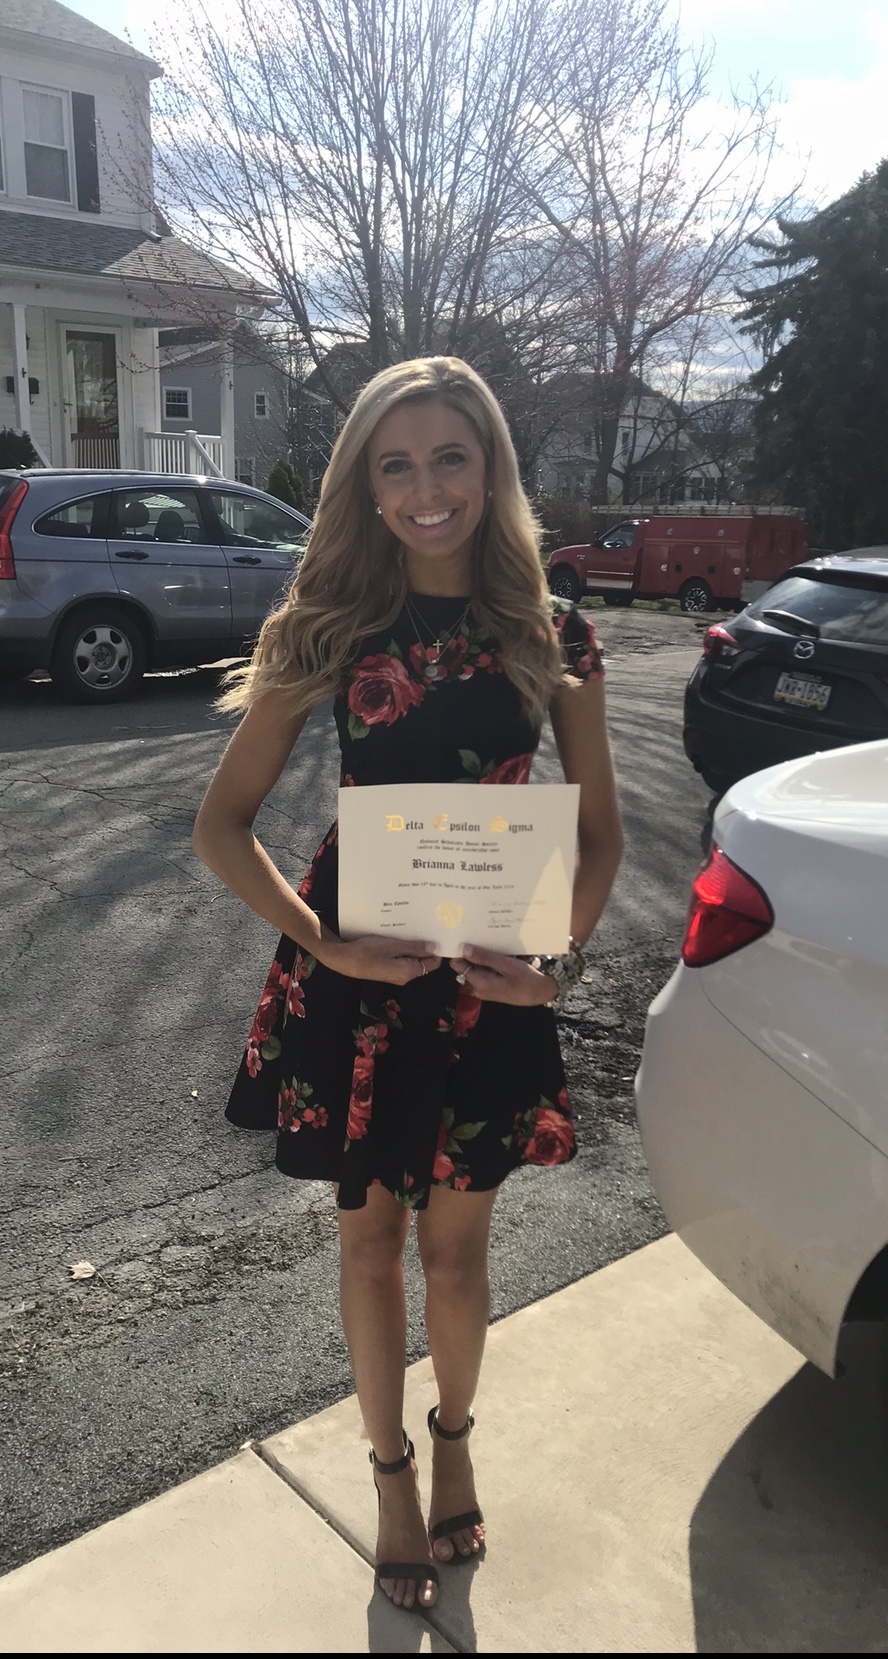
[381, 692]
[261, 1037]
[443, 1164]
[516, 770]
[587, 665]
[296, 1106]
[552, 1140]
[361, 1101]
[468, 1012]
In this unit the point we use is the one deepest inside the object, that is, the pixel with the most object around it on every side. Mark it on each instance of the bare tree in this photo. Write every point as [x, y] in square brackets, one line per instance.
[360, 159]
[652, 202]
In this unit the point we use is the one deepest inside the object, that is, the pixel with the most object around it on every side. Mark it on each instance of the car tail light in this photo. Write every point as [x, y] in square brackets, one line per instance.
[719, 644]
[728, 910]
[7, 513]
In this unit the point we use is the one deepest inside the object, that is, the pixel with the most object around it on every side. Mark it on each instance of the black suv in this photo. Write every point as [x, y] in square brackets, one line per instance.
[803, 668]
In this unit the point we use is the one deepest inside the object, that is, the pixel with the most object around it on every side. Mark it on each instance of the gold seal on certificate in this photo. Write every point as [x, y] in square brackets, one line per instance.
[460, 863]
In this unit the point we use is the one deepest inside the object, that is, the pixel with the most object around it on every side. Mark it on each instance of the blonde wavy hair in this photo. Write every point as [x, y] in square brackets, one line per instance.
[352, 581]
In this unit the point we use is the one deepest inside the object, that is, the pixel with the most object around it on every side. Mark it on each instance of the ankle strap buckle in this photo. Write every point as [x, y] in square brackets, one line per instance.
[399, 1463]
[450, 1434]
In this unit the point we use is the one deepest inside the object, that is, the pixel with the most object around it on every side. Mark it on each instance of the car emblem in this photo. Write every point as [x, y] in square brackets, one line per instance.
[804, 648]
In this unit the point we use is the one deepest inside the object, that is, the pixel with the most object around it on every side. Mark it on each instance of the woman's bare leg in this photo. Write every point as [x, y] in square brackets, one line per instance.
[374, 1318]
[453, 1236]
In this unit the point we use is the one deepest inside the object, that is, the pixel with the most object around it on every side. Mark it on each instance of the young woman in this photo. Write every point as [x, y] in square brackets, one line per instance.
[410, 1083]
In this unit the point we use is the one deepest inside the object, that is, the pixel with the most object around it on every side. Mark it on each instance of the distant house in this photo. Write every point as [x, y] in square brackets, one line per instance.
[193, 368]
[659, 455]
[89, 271]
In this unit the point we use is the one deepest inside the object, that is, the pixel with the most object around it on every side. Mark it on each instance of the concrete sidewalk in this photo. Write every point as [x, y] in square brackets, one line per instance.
[659, 1472]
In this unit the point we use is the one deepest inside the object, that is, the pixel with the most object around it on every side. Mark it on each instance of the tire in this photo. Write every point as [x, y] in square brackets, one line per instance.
[696, 596]
[622, 599]
[99, 655]
[564, 583]
[716, 781]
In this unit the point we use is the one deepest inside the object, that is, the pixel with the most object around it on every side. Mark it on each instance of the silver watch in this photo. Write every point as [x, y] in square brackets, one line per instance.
[566, 970]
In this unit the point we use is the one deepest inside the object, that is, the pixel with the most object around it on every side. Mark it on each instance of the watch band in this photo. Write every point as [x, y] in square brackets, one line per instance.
[566, 970]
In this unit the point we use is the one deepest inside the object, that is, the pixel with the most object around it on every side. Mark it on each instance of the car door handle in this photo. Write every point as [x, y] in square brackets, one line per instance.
[132, 553]
[246, 559]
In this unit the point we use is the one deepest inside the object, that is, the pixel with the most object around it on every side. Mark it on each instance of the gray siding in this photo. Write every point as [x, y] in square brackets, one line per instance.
[258, 442]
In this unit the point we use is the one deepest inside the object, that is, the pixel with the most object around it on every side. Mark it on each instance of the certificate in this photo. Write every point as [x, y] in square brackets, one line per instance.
[460, 863]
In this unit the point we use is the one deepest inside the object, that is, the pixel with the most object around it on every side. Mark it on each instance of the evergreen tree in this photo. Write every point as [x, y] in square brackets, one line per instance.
[821, 427]
[16, 449]
[285, 483]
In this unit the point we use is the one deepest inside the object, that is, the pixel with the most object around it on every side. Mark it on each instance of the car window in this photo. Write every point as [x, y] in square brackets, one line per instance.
[160, 515]
[248, 521]
[619, 538]
[841, 610]
[83, 518]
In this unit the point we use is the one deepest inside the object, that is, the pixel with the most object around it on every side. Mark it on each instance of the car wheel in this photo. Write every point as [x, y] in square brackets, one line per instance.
[565, 583]
[617, 598]
[715, 780]
[99, 656]
[696, 596]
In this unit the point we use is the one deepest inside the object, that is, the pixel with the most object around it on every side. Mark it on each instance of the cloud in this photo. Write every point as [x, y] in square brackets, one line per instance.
[830, 71]
[839, 122]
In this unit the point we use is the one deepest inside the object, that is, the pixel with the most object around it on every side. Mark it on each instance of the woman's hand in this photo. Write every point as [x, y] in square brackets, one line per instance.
[497, 978]
[393, 961]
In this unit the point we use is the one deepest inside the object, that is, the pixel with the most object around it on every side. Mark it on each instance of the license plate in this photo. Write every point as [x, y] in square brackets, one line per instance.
[802, 694]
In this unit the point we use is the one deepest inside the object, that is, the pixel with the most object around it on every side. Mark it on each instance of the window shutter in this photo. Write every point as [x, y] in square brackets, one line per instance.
[86, 163]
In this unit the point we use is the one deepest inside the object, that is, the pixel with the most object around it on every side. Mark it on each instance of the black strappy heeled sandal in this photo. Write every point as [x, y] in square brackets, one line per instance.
[455, 1523]
[419, 1572]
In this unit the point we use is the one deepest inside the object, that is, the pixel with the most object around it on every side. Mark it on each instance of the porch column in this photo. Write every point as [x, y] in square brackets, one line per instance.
[20, 369]
[226, 402]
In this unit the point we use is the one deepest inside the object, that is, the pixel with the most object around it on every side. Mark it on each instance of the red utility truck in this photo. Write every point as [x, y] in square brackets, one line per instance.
[714, 557]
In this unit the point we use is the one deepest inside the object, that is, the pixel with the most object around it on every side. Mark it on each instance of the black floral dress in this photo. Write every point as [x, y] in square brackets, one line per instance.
[417, 1085]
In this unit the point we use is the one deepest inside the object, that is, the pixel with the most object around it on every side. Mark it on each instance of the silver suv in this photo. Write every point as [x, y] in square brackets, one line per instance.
[104, 575]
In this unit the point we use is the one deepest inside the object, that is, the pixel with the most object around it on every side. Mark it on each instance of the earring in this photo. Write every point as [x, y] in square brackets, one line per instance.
[379, 509]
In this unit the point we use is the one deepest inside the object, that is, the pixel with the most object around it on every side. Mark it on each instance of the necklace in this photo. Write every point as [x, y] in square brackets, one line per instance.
[435, 650]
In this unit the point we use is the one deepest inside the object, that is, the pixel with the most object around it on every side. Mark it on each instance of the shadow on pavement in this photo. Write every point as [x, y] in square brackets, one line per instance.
[390, 1630]
[789, 1541]
[34, 716]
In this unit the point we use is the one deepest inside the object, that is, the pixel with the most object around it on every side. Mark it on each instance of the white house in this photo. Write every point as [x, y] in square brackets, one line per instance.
[658, 454]
[89, 271]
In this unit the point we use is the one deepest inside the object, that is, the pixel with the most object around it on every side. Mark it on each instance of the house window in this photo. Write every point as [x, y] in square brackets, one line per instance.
[260, 405]
[245, 470]
[587, 441]
[177, 403]
[624, 444]
[47, 161]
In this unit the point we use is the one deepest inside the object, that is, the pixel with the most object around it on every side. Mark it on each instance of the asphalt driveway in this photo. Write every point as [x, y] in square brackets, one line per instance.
[129, 980]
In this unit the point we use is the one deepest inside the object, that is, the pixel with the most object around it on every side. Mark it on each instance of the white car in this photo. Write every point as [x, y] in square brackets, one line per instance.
[763, 1088]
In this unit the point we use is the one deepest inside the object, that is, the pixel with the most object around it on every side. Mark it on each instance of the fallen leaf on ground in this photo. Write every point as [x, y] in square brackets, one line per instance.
[194, 1094]
[82, 1270]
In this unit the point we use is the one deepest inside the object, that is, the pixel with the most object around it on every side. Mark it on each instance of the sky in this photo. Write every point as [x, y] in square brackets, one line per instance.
[829, 65]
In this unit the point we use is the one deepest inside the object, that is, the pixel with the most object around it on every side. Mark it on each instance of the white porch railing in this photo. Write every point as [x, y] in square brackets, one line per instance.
[94, 452]
[184, 452]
